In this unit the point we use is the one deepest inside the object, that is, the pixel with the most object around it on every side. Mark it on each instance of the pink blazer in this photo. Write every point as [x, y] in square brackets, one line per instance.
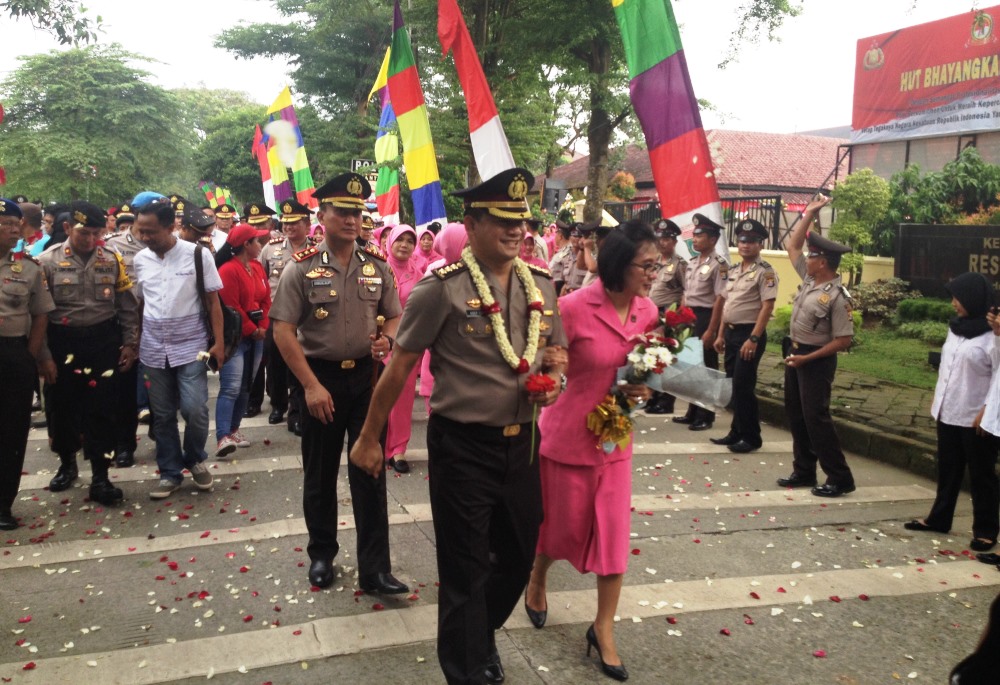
[598, 345]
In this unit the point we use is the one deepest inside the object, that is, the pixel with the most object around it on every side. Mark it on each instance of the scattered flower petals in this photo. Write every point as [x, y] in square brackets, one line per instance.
[725, 631]
[819, 654]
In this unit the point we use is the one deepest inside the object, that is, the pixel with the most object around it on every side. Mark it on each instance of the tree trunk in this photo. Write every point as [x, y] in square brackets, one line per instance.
[599, 131]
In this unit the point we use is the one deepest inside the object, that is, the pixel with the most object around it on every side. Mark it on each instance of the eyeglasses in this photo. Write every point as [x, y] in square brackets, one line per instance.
[648, 269]
[9, 223]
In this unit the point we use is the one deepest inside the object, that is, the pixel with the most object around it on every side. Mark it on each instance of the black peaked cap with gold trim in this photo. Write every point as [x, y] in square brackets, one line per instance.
[256, 213]
[292, 211]
[347, 191]
[503, 196]
[225, 211]
[87, 215]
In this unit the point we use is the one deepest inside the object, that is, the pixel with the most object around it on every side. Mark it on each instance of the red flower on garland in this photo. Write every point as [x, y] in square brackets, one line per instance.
[539, 384]
[535, 306]
[523, 367]
[491, 309]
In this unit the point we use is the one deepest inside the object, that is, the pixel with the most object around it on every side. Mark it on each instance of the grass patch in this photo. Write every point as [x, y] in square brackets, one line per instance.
[887, 355]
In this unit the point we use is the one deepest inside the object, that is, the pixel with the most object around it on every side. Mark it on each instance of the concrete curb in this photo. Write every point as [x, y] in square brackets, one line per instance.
[912, 455]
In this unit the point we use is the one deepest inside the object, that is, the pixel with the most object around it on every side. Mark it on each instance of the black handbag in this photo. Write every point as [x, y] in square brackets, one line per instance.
[232, 323]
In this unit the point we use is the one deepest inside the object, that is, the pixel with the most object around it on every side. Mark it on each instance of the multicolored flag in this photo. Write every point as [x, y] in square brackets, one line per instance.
[215, 194]
[287, 150]
[414, 128]
[386, 150]
[667, 109]
[489, 142]
[259, 151]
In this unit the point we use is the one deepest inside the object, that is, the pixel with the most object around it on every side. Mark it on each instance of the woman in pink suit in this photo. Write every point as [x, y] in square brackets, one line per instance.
[586, 492]
[402, 243]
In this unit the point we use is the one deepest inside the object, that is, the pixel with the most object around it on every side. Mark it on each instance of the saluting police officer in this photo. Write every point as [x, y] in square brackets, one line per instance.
[92, 336]
[24, 304]
[750, 293]
[821, 327]
[285, 392]
[704, 293]
[666, 291]
[478, 316]
[330, 295]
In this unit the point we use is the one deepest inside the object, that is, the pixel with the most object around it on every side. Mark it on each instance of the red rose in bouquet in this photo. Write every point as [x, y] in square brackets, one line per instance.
[539, 384]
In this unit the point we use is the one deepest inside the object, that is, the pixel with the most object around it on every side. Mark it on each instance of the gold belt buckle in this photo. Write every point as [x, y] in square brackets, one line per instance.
[512, 430]
[795, 346]
[347, 364]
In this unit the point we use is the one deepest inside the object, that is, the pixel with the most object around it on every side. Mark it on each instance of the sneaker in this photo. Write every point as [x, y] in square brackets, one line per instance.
[145, 417]
[202, 478]
[225, 447]
[240, 439]
[166, 488]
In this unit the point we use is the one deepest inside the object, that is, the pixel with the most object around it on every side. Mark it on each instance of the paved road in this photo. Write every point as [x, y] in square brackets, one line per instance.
[733, 580]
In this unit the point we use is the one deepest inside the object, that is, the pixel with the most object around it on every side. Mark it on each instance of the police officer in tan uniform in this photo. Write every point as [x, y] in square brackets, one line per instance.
[324, 315]
[474, 316]
[283, 389]
[573, 272]
[667, 290]
[24, 304]
[821, 327]
[704, 293]
[92, 336]
[750, 293]
[197, 227]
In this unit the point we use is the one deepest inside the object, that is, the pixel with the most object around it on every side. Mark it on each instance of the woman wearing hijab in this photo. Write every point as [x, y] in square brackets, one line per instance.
[960, 398]
[425, 253]
[402, 244]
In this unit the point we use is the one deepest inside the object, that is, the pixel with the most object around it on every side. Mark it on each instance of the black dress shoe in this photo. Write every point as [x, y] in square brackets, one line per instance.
[382, 583]
[296, 428]
[399, 465]
[797, 480]
[617, 672]
[276, 416]
[917, 524]
[537, 618]
[124, 459]
[743, 447]
[832, 490]
[700, 425]
[982, 545]
[321, 573]
[683, 419]
[494, 669]
[729, 439]
[64, 477]
[251, 411]
[987, 558]
[104, 492]
[7, 521]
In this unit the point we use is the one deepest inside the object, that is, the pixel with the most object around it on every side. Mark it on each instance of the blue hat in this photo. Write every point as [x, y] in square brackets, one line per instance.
[145, 197]
[9, 208]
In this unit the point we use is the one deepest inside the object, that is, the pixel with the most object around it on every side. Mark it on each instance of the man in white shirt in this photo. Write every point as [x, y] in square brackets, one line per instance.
[173, 335]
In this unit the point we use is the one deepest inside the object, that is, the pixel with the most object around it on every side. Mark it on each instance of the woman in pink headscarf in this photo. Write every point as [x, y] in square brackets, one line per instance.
[528, 251]
[402, 243]
[449, 243]
[425, 248]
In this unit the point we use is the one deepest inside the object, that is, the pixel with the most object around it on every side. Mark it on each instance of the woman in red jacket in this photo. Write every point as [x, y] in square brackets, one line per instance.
[245, 288]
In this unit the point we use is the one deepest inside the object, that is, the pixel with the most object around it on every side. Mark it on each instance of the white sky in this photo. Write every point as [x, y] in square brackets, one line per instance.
[804, 82]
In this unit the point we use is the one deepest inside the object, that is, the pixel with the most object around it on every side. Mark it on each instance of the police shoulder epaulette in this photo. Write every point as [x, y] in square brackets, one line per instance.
[845, 293]
[30, 258]
[374, 251]
[722, 260]
[765, 265]
[276, 241]
[449, 270]
[305, 254]
[540, 270]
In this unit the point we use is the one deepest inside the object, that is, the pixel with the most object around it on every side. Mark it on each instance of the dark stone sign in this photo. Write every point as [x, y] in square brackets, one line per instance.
[930, 256]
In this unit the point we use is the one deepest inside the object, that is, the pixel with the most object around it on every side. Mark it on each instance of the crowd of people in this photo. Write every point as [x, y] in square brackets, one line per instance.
[123, 313]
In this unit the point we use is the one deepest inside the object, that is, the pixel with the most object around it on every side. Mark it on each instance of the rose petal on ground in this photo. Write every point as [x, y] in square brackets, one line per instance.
[725, 631]
[819, 654]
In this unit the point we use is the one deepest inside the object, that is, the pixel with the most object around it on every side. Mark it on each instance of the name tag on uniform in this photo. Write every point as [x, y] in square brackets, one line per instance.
[322, 283]
[473, 313]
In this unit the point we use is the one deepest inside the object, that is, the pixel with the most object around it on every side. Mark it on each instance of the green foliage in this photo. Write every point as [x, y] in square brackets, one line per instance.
[931, 332]
[67, 20]
[924, 309]
[879, 299]
[862, 201]
[224, 156]
[965, 186]
[886, 355]
[622, 186]
[758, 18]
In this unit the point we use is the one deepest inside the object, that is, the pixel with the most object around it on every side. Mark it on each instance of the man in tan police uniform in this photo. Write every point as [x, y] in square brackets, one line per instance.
[750, 293]
[484, 487]
[324, 315]
[821, 327]
[24, 303]
[667, 290]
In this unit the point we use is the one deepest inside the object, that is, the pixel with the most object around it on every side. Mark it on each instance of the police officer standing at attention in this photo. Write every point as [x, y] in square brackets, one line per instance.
[705, 290]
[330, 295]
[24, 303]
[751, 291]
[92, 336]
[821, 327]
[666, 291]
[285, 393]
[488, 319]
[224, 214]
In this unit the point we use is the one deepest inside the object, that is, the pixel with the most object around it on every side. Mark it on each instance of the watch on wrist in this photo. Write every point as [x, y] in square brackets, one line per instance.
[755, 339]
[562, 382]
[392, 342]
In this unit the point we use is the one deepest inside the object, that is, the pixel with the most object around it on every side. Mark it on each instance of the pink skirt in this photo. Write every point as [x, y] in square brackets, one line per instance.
[587, 515]
[401, 419]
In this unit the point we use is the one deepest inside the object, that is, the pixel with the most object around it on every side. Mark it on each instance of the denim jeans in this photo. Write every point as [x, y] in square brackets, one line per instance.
[186, 385]
[235, 379]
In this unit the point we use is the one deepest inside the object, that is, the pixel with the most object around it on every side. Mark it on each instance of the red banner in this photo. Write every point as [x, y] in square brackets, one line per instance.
[938, 78]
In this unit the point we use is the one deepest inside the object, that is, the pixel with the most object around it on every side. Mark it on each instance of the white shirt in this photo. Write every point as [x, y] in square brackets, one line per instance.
[991, 417]
[964, 379]
[218, 238]
[173, 320]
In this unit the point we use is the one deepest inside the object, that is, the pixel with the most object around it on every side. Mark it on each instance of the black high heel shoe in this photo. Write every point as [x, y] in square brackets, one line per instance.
[617, 672]
[537, 618]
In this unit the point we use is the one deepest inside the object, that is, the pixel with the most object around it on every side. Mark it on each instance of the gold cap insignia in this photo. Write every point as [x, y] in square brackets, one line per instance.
[286, 208]
[80, 216]
[255, 210]
[354, 186]
[518, 188]
[180, 206]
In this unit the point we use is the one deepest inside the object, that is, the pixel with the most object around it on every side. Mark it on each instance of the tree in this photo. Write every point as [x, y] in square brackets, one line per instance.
[224, 155]
[64, 18]
[862, 202]
[83, 123]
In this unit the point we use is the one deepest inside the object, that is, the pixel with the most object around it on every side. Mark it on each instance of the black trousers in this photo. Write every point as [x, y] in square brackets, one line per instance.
[746, 413]
[807, 405]
[128, 409]
[85, 404]
[960, 447]
[283, 388]
[703, 318]
[487, 506]
[351, 390]
[15, 409]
